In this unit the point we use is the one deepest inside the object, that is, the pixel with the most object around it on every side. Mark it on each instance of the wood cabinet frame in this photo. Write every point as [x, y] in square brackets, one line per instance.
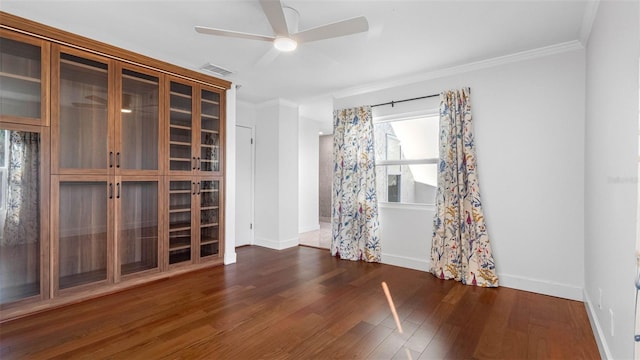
[52, 41]
[45, 65]
[45, 244]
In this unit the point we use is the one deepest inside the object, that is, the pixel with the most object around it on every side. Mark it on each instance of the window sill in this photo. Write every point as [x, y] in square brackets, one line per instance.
[406, 206]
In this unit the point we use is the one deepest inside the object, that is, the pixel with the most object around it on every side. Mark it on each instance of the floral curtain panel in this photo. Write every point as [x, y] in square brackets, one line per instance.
[354, 215]
[22, 223]
[460, 245]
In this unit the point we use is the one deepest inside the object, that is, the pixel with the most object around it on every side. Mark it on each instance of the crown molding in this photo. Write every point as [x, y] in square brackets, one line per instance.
[455, 70]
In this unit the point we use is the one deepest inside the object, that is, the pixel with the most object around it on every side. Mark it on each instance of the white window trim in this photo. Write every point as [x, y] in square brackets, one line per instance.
[402, 117]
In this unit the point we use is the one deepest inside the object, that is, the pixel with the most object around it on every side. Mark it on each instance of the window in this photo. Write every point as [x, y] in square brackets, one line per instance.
[406, 158]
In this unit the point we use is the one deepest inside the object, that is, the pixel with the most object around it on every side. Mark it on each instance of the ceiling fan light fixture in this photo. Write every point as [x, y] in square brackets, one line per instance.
[285, 44]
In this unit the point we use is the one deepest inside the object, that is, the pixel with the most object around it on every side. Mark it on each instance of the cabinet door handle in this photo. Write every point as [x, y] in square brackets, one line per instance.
[110, 190]
[118, 160]
[118, 191]
[198, 162]
[193, 163]
[198, 187]
[110, 159]
[193, 188]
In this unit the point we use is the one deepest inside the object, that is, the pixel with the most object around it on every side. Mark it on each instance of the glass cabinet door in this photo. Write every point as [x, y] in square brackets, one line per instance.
[82, 231]
[181, 194]
[20, 154]
[139, 122]
[83, 114]
[209, 192]
[209, 159]
[20, 80]
[138, 228]
[181, 128]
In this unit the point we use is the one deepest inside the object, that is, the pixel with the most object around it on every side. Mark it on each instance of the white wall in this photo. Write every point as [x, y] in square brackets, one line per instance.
[288, 174]
[230, 178]
[276, 186]
[266, 185]
[245, 114]
[308, 175]
[529, 125]
[406, 234]
[613, 53]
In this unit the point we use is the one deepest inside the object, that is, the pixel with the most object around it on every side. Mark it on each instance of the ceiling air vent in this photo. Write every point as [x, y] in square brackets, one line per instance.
[220, 71]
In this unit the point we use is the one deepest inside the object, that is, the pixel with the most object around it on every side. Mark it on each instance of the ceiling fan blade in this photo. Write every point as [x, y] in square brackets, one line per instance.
[273, 10]
[229, 33]
[336, 29]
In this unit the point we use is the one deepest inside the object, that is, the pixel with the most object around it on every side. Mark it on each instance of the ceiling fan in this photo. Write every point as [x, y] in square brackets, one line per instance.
[284, 21]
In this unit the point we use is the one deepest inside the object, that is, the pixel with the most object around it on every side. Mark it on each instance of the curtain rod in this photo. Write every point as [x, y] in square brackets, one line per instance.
[392, 103]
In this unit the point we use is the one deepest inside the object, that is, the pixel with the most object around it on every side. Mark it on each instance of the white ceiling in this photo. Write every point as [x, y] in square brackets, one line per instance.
[405, 37]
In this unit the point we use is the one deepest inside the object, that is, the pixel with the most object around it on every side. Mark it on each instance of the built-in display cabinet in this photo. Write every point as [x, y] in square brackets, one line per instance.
[111, 168]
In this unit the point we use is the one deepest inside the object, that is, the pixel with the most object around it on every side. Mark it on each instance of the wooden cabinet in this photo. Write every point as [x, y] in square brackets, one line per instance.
[194, 138]
[124, 177]
[107, 116]
[24, 214]
[82, 230]
[138, 226]
[24, 79]
[209, 218]
[107, 139]
[194, 225]
[194, 129]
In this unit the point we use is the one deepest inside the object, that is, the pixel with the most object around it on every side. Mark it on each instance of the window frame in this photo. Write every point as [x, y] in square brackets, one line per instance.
[429, 113]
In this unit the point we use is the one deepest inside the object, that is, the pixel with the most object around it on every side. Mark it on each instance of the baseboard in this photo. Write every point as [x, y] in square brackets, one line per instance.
[230, 258]
[601, 340]
[406, 262]
[310, 228]
[275, 244]
[541, 287]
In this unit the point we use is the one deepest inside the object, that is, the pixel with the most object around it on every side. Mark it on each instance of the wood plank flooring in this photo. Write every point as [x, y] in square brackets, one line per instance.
[301, 303]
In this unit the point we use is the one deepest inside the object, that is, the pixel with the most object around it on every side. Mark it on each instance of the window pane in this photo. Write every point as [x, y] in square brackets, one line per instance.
[411, 184]
[407, 139]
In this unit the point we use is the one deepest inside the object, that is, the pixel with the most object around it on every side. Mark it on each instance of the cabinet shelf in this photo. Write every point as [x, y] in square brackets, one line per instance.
[181, 111]
[179, 227]
[180, 159]
[208, 241]
[185, 191]
[138, 79]
[208, 225]
[182, 127]
[180, 95]
[210, 131]
[209, 207]
[83, 66]
[20, 77]
[181, 143]
[209, 146]
[210, 101]
[178, 210]
[179, 247]
[215, 117]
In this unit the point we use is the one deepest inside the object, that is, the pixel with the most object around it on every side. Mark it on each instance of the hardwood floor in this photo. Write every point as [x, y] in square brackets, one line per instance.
[301, 303]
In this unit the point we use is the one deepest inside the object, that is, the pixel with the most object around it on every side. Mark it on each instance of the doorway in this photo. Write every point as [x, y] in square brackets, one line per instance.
[244, 185]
